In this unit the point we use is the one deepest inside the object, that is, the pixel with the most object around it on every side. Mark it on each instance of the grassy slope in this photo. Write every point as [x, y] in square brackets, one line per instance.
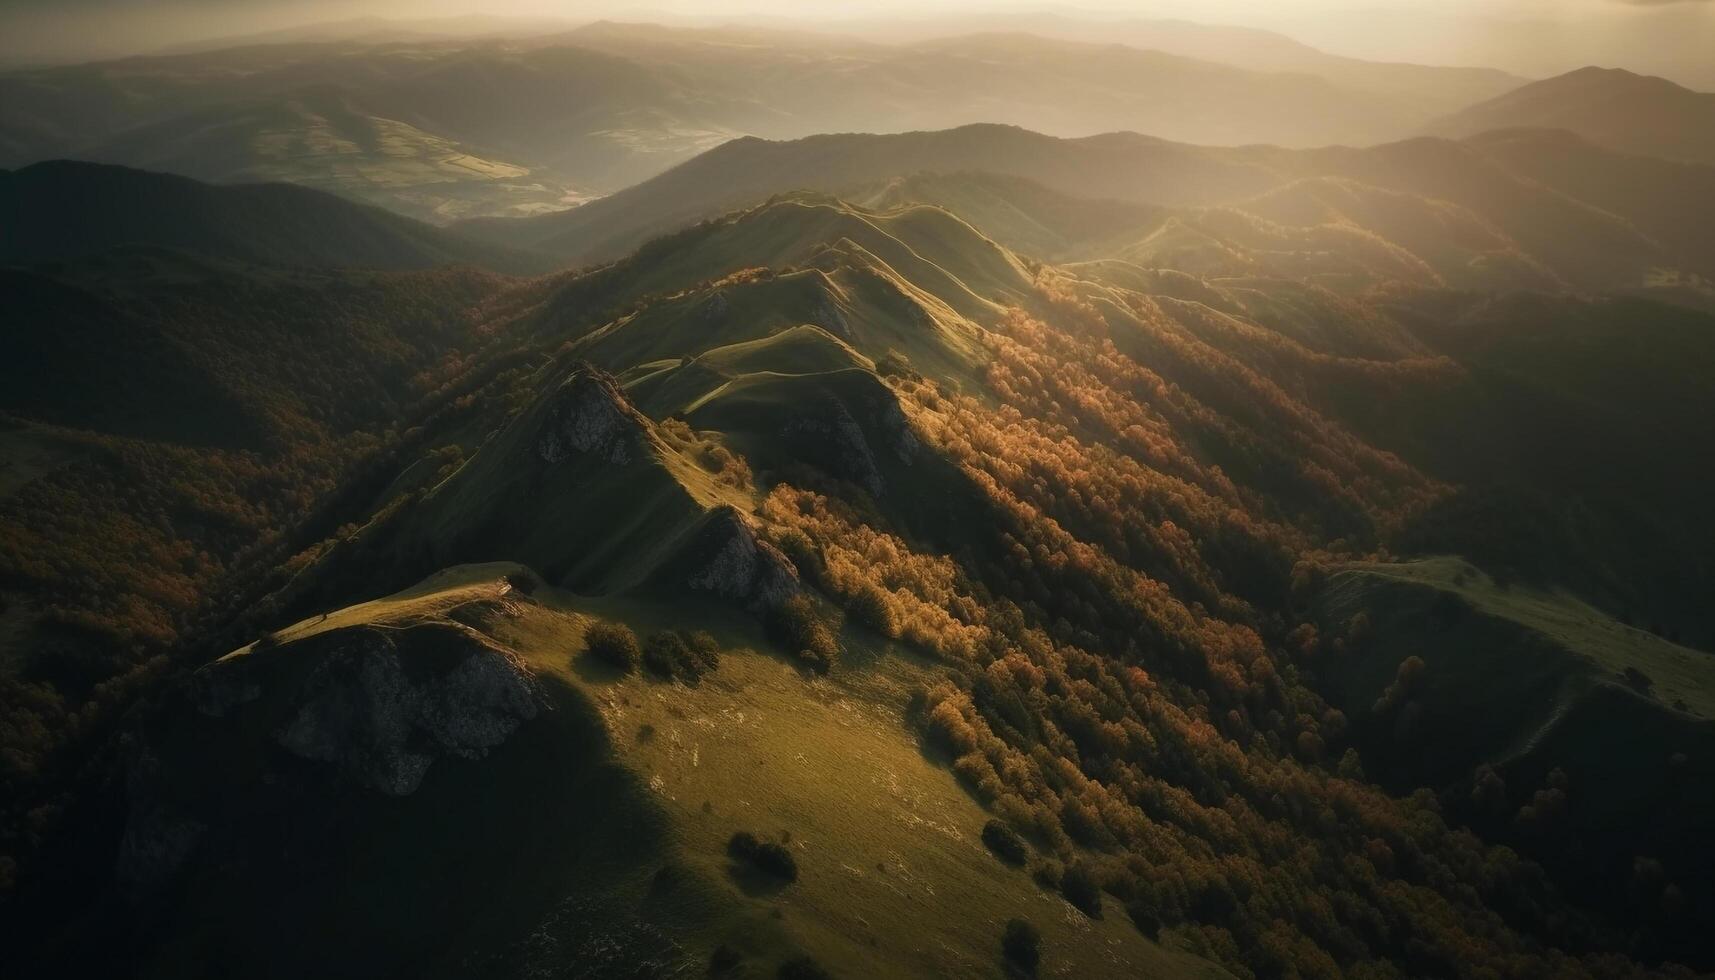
[1590, 647]
[1545, 689]
[1514, 677]
[628, 775]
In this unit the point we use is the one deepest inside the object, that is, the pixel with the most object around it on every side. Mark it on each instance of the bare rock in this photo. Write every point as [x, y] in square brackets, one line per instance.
[730, 561]
[383, 716]
[158, 838]
[588, 415]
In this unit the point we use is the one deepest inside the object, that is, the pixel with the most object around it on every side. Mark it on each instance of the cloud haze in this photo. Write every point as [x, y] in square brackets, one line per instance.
[1531, 37]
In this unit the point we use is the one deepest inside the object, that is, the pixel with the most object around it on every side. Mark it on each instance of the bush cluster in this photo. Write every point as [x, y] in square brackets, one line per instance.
[764, 855]
[795, 625]
[1003, 841]
[684, 655]
[615, 644]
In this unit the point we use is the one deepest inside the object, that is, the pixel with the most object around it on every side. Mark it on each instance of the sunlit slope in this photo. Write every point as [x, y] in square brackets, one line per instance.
[743, 172]
[580, 486]
[917, 281]
[596, 810]
[1470, 215]
[602, 497]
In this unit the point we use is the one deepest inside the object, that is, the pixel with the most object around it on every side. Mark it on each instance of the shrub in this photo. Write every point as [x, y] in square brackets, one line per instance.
[1143, 916]
[1046, 874]
[1021, 943]
[767, 856]
[802, 553]
[795, 625]
[664, 654]
[705, 652]
[893, 364]
[614, 644]
[1004, 842]
[670, 653]
[872, 608]
[1081, 888]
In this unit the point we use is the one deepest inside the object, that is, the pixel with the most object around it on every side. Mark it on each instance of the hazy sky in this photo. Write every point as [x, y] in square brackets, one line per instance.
[1535, 37]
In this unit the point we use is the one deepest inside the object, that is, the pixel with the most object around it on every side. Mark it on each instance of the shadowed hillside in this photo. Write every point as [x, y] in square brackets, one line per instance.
[63, 210]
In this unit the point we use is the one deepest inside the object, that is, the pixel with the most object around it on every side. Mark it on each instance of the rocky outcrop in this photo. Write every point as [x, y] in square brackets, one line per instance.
[587, 415]
[730, 561]
[375, 705]
[830, 318]
[383, 715]
[159, 838]
[846, 434]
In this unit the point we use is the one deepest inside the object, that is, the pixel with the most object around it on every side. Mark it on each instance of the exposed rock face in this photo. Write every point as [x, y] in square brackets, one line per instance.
[830, 318]
[158, 838]
[383, 721]
[898, 430]
[733, 563]
[846, 445]
[588, 415]
[379, 703]
[845, 437]
[218, 692]
[714, 309]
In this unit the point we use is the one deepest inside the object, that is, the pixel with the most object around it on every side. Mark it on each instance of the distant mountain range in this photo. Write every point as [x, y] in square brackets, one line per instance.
[1553, 210]
[1608, 106]
[445, 128]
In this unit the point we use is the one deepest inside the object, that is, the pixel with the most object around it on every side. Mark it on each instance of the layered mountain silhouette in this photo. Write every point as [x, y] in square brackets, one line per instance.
[1526, 211]
[1085, 498]
[444, 128]
[1611, 107]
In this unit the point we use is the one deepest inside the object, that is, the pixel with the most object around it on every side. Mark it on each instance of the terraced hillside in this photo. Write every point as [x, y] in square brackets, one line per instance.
[1066, 592]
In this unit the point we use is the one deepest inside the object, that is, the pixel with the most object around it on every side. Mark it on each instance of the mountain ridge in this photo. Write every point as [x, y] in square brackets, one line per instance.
[1613, 107]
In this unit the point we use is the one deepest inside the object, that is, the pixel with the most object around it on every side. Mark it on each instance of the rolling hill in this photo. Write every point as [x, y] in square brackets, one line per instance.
[1486, 213]
[64, 210]
[1420, 87]
[1611, 107]
[822, 583]
[1123, 166]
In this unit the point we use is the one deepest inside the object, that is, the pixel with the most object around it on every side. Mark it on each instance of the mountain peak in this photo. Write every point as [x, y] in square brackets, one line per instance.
[1611, 107]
